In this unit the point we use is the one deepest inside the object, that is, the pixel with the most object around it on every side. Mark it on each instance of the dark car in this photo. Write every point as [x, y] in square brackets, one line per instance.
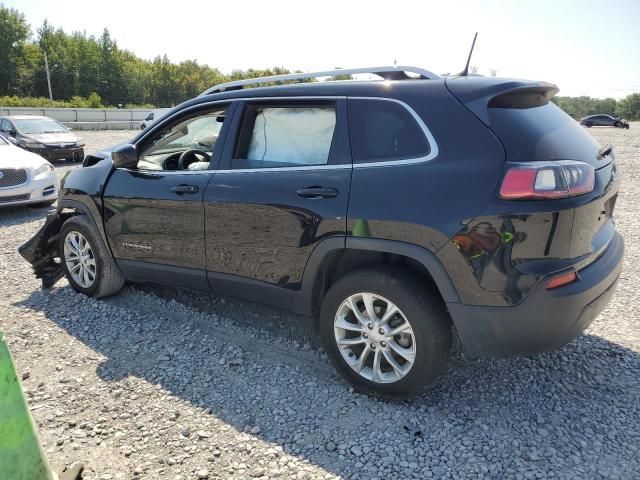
[42, 135]
[389, 211]
[604, 121]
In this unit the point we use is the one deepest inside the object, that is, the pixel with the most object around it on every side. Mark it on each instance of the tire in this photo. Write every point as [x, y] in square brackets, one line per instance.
[617, 124]
[588, 124]
[107, 278]
[418, 304]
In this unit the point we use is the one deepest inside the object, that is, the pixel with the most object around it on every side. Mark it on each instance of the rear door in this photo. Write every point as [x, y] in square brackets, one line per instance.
[283, 186]
[154, 215]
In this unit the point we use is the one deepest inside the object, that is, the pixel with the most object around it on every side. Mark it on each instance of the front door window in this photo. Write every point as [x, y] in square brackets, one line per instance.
[186, 145]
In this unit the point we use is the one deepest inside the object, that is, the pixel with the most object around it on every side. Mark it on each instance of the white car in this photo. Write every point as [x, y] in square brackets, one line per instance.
[25, 178]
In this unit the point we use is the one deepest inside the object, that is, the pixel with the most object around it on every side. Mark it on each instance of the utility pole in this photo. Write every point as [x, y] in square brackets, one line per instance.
[46, 67]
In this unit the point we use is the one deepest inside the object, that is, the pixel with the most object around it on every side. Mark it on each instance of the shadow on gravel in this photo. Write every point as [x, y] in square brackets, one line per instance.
[571, 413]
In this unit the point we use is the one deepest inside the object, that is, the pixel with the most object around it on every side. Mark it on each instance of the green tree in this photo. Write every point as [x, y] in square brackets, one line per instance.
[629, 107]
[14, 32]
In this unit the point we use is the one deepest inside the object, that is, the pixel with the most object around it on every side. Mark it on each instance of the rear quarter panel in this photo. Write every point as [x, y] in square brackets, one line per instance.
[428, 203]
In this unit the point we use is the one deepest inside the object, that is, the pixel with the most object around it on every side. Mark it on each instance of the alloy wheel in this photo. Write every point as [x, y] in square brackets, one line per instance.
[375, 338]
[80, 259]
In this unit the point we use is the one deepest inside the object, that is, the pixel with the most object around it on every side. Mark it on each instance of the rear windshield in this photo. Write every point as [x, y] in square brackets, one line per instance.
[542, 133]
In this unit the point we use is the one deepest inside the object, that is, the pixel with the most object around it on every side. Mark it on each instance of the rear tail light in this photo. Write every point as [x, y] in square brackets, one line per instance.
[547, 180]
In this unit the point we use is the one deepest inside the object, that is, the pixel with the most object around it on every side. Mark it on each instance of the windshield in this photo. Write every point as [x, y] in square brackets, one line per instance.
[39, 125]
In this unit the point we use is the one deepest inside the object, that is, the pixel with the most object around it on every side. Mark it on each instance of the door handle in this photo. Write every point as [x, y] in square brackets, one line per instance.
[317, 192]
[181, 189]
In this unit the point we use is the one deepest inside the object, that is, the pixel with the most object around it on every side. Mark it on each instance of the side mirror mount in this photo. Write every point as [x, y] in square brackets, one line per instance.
[125, 156]
[12, 132]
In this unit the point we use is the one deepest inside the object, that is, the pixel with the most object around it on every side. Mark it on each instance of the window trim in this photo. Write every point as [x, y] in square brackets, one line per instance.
[235, 101]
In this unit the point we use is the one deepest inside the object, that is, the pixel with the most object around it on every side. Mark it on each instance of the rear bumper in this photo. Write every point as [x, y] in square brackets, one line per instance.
[546, 319]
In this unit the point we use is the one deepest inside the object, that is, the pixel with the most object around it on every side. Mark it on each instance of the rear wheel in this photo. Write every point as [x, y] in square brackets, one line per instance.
[385, 330]
[86, 261]
[588, 124]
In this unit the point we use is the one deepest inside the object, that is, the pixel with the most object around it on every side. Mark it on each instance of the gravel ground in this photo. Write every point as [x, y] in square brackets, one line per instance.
[156, 383]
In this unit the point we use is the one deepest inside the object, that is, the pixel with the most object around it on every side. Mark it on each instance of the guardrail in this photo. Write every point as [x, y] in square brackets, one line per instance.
[87, 118]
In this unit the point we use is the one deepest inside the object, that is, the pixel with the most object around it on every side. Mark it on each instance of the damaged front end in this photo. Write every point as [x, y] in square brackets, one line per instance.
[42, 250]
[79, 194]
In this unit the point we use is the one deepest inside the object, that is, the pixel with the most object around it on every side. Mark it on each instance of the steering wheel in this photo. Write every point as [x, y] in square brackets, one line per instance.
[191, 154]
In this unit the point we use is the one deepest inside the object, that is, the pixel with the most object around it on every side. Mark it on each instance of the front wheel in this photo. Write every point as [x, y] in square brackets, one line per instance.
[385, 330]
[86, 261]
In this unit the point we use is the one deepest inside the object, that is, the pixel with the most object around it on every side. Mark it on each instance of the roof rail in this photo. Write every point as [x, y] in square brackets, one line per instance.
[387, 73]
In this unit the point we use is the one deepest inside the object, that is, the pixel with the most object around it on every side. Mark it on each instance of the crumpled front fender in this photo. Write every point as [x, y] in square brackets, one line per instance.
[42, 250]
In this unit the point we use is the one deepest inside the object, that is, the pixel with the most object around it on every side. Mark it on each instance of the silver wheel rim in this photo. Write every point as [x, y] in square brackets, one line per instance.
[80, 260]
[375, 338]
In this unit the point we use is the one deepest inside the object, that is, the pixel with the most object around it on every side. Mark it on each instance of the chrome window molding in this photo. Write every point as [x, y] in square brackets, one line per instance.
[340, 166]
[433, 153]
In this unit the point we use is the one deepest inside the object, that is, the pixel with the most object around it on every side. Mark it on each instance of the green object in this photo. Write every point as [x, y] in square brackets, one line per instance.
[21, 456]
[361, 228]
[507, 237]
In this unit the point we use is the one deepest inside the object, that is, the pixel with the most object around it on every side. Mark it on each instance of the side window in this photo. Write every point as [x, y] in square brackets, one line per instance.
[283, 136]
[186, 144]
[4, 126]
[384, 130]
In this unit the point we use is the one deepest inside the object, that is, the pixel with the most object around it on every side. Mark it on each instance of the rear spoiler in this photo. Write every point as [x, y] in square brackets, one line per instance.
[479, 94]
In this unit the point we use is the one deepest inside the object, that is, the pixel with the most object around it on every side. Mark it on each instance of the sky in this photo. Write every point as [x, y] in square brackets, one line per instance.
[586, 47]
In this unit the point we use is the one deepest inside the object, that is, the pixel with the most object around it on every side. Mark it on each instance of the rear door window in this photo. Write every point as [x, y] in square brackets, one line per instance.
[384, 130]
[273, 136]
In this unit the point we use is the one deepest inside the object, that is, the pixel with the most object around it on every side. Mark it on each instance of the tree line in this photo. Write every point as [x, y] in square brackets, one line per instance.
[578, 107]
[93, 72]
[86, 70]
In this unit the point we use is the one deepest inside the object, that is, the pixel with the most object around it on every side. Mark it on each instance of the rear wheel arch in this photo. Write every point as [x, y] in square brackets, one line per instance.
[331, 261]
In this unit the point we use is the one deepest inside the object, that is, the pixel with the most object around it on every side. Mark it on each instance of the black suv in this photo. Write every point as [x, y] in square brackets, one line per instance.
[389, 210]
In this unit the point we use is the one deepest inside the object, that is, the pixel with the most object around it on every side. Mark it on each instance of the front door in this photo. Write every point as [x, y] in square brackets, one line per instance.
[154, 215]
[283, 186]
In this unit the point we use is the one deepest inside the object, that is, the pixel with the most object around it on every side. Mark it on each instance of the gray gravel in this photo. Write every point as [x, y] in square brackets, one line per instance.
[159, 383]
